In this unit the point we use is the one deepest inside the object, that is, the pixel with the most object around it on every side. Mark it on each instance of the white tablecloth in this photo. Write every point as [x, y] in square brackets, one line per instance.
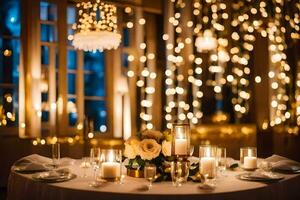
[21, 186]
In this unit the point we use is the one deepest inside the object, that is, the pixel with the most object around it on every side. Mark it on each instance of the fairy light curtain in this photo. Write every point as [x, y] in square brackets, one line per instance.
[224, 35]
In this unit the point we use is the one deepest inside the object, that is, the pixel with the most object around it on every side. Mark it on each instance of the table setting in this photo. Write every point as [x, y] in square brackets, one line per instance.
[154, 164]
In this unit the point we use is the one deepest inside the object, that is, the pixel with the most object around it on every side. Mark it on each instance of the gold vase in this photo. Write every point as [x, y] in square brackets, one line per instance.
[135, 173]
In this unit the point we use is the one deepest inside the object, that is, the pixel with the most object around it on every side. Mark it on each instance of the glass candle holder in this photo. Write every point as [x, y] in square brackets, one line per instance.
[179, 172]
[248, 158]
[111, 164]
[181, 140]
[208, 161]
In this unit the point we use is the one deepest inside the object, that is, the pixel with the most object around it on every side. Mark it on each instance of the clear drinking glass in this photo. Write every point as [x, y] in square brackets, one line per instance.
[55, 154]
[221, 160]
[179, 172]
[85, 164]
[149, 173]
[94, 159]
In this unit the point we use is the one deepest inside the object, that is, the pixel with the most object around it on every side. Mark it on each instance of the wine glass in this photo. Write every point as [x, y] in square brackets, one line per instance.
[221, 160]
[149, 173]
[85, 164]
[94, 159]
[55, 154]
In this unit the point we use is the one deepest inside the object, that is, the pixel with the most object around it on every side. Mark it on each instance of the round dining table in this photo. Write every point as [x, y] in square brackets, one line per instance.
[228, 186]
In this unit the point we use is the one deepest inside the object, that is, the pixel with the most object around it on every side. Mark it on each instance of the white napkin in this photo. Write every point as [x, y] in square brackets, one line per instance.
[231, 163]
[36, 162]
[32, 162]
[283, 164]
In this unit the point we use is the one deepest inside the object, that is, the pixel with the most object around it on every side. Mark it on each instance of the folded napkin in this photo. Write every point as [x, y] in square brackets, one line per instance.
[32, 162]
[279, 163]
[259, 175]
[36, 162]
[231, 163]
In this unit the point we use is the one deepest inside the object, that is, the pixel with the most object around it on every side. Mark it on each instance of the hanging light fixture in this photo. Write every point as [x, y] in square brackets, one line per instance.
[96, 28]
[206, 42]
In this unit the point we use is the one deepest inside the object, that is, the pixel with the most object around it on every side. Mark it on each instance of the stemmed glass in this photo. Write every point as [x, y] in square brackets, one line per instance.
[149, 173]
[95, 160]
[85, 164]
[55, 154]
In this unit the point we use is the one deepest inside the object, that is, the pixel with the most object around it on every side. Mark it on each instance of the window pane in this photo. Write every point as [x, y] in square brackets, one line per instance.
[48, 11]
[72, 112]
[71, 83]
[96, 111]
[94, 80]
[10, 21]
[125, 60]
[45, 55]
[71, 15]
[71, 32]
[9, 61]
[125, 37]
[48, 33]
[72, 59]
[8, 107]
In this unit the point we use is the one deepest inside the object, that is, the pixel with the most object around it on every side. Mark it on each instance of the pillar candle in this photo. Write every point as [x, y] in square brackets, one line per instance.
[110, 170]
[181, 147]
[250, 162]
[208, 166]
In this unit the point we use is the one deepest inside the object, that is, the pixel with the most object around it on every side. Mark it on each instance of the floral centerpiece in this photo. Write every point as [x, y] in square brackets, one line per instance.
[149, 146]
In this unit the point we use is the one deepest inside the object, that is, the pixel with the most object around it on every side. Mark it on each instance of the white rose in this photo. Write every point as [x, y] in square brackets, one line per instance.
[131, 147]
[166, 148]
[150, 134]
[149, 149]
[129, 151]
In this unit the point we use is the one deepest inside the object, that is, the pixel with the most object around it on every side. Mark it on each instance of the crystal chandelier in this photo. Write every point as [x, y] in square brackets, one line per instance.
[206, 42]
[96, 28]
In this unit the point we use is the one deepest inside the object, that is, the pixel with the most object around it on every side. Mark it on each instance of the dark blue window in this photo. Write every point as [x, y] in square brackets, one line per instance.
[9, 106]
[126, 37]
[10, 18]
[9, 60]
[125, 62]
[72, 112]
[48, 11]
[45, 55]
[71, 83]
[96, 111]
[94, 78]
[71, 12]
[48, 33]
[72, 59]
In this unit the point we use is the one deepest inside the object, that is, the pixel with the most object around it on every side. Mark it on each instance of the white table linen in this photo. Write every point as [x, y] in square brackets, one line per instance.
[21, 186]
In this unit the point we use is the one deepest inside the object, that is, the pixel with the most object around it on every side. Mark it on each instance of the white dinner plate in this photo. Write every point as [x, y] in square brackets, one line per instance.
[250, 177]
[51, 177]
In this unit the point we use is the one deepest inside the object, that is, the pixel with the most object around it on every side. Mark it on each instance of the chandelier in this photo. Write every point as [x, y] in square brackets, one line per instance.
[206, 42]
[96, 28]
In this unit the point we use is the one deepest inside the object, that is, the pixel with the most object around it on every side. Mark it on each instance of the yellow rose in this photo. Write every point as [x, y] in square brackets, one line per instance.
[166, 148]
[150, 134]
[131, 147]
[129, 151]
[149, 149]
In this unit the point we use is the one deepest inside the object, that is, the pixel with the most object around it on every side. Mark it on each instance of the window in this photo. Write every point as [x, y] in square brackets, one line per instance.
[9, 61]
[94, 90]
[48, 38]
